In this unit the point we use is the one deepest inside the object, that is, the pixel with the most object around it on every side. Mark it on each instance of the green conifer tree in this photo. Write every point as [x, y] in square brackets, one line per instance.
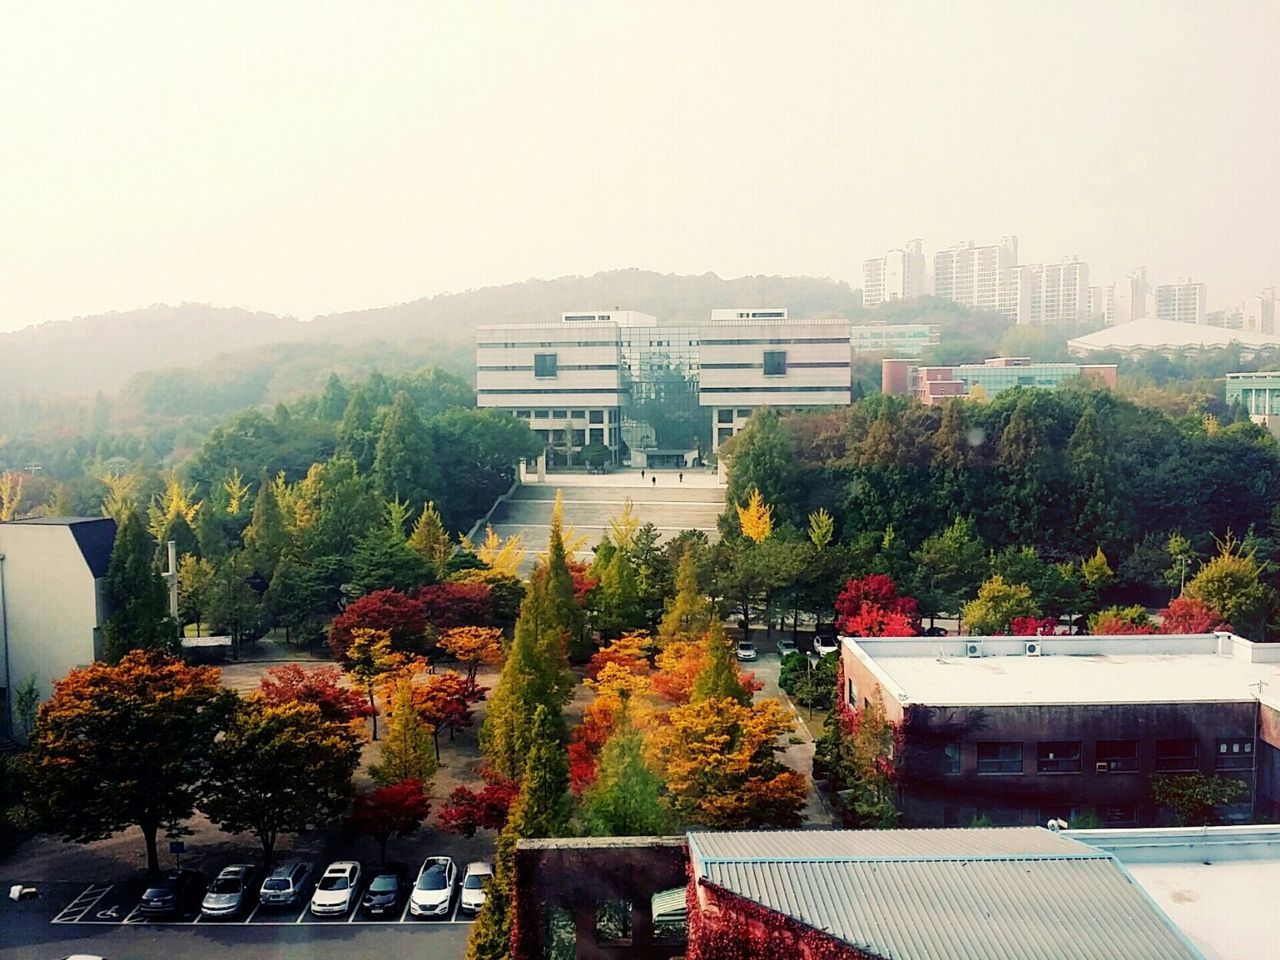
[719, 677]
[266, 538]
[405, 465]
[137, 596]
[624, 800]
[688, 613]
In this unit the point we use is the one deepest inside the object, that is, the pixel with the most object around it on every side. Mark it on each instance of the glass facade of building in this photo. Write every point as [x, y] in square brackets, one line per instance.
[659, 366]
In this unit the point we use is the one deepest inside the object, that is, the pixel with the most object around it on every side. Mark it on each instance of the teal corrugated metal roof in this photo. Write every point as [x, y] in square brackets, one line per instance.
[1015, 894]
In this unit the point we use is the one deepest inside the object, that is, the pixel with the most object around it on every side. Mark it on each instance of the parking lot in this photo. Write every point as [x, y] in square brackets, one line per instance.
[103, 918]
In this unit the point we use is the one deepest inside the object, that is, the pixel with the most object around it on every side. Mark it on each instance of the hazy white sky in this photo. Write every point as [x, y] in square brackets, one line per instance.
[311, 157]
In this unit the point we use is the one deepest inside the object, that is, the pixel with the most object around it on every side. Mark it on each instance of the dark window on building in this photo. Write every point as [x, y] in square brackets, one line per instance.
[544, 364]
[1116, 756]
[579, 437]
[951, 758]
[523, 414]
[724, 434]
[1177, 756]
[540, 414]
[775, 363]
[613, 921]
[597, 436]
[1058, 756]
[1000, 757]
[744, 414]
[558, 414]
[1234, 754]
[724, 416]
[1118, 816]
[597, 416]
[579, 414]
[852, 698]
[613, 416]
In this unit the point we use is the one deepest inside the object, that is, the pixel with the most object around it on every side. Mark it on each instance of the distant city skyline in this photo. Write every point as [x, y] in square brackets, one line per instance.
[304, 159]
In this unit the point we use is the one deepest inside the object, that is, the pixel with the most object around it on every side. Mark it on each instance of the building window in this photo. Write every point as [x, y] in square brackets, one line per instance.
[540, 414]
[523, 414]
[1177, 756]
[744, 414]
[579, 437]
[1116, 756]
[1234, 755]
[852, 697]
[951, 759]
[723, 434]
[1000, 757]
[597, 436]
[597, 416]
[544, 364]
[775, 363]
[558, 414]
[579, 414]
[724, 416]
[1058, 756]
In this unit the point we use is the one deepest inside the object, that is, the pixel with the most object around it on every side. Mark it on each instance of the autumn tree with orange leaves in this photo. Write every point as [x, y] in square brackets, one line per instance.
[473, 647]
[125, 745]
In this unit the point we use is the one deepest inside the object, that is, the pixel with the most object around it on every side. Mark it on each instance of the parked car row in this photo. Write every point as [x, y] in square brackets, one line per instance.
[334, 893]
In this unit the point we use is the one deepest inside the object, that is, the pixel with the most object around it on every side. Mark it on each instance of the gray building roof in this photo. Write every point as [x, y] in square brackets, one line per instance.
[985, 894]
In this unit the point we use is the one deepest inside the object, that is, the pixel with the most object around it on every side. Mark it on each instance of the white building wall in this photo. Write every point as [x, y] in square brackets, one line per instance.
[1182, 302]
[53, 605]
[587, 366]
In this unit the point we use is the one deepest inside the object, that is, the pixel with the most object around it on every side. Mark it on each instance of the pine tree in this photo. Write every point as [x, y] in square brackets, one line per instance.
[266, 539]
[719, 678]
[404, 464]
[431, 541]
[535, 675]
[357, 438]
[408, 748]
[689, 611]
[564, 604]
[138, 599]
[625, 798]
[334, 400]
[621, 608]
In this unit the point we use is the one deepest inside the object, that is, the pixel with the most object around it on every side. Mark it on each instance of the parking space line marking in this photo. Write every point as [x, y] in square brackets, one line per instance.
[305, 908]
[355, 907]
[83, 908]
[405, 912]
[456, 906]
[253, 912]
[129, 918]
[197, 919]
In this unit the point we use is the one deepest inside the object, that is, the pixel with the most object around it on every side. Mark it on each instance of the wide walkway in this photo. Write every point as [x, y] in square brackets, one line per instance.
[591, 501]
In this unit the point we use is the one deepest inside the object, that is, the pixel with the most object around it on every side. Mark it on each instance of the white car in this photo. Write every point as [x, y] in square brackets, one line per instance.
[786, 645]
[474, 883]
[746, 650]
[336, 891]
[824, 645]
[433, 890]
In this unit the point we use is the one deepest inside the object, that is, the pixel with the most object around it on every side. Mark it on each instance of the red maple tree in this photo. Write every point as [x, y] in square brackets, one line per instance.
[291, 683]
[1032, 626]
[467, 810]
[388, 610]
[871, 607]
[444, 700]
[1187, 615]
[397, 809]
[447, 605]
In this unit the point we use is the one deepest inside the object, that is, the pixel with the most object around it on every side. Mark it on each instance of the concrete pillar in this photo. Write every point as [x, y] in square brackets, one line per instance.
[542, 467]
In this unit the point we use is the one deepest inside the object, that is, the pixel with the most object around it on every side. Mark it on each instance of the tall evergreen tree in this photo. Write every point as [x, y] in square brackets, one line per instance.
[137, 596]
[431, 541]
[405, 463]
[408, 749]
[688, 613]
[1097, 481]
[625, 799]
[536, 674]
[357, 433]
[333, 400]
[266, 539]
[719, 677]
[564, 603]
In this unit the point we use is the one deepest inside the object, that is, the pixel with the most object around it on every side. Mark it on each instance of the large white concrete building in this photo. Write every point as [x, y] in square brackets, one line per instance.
[1181, 302]
[900, 274]
[658, 393]
[976, 277]
[1061, 292]
[1259, 313]
[1128, 299]
[52, 600]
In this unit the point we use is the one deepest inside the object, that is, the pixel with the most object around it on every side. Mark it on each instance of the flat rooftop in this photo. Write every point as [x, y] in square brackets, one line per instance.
[1070, 670]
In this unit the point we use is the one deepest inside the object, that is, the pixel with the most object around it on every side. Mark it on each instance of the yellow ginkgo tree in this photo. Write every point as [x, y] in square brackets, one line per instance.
[756, 518]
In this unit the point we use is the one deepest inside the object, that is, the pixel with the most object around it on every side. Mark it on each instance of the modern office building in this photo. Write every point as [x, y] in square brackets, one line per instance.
[52, 600]
[1128, 299]
[658, 393]
[1181, 302]
[899, 275]
[1021, 730]
[976, 277]
[1259, 394]
[899, 339]
[930, 385]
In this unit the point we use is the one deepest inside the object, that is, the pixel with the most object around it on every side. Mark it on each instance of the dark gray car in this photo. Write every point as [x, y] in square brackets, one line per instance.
[230, 892]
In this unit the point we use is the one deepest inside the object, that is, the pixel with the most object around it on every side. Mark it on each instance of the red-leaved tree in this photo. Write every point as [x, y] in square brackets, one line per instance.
[388, 610]
[397, 809]
[871, 607]
[323, 686]
[1187, 615]
[1032, 626]
[444, 700]
[447, 605]
[583, 582]
[467, 810]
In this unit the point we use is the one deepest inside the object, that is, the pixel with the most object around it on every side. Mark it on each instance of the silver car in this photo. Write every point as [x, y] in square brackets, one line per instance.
[474, 884]
[229, 892]
[286, 885]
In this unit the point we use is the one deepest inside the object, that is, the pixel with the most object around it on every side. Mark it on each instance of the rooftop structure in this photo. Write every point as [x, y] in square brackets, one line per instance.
[1167, 336]
[1018, 730]
[914, 894]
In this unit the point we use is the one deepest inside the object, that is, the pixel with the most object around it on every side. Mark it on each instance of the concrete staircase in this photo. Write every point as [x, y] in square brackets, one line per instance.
[590, 501]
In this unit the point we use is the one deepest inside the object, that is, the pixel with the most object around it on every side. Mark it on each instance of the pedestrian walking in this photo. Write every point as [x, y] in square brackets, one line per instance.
[642, 473]
[654, 481]
[682, 476]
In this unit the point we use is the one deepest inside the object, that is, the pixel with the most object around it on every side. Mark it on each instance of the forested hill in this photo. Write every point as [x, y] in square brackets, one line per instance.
[87, 354]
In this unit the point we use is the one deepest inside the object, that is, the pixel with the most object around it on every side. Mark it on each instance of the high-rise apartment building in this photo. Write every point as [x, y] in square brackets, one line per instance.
[899, 275]
[1127, 299]
[1060, 292]
[1181, 302]
[1259, 313]
[976, 277]
[1097, 305]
